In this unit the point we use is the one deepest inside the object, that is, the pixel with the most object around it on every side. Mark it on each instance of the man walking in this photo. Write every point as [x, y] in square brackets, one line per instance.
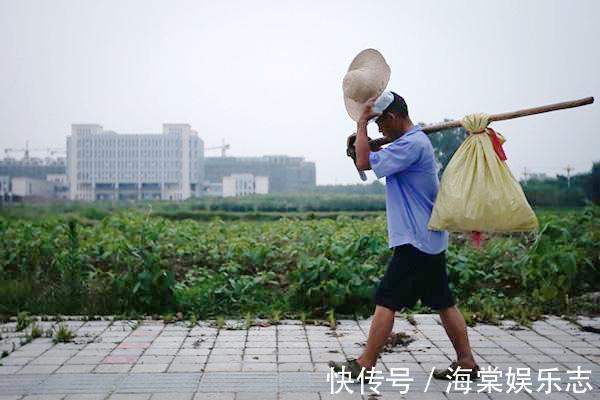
[418, 266]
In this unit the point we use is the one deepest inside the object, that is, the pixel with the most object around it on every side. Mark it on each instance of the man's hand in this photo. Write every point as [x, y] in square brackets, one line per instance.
[362, 140]
[368, 112]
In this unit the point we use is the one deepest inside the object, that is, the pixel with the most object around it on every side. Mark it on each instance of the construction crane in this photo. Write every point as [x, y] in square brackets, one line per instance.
[26, 150]
[223, 148]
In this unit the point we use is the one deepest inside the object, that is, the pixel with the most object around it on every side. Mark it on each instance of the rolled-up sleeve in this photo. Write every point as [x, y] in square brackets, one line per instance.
[396, 157]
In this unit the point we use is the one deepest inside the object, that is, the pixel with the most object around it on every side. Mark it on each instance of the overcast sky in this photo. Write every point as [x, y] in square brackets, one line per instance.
[266, 76]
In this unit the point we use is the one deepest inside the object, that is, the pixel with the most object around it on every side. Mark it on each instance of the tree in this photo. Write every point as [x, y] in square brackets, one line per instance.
[595, 183]
[445, 144]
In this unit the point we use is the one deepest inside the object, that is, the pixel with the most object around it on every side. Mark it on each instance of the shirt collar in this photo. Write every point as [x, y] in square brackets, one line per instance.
[412, 130]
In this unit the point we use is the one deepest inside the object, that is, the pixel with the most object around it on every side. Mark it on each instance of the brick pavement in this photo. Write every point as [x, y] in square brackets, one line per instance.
[117, 360]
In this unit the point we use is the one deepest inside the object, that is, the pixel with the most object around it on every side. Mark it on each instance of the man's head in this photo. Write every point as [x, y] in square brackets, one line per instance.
[394, 119]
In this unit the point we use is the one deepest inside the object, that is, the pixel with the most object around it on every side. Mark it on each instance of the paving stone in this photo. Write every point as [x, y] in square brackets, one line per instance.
[297, 367]
[341, 396]
[225, 358]
[256, 396]
[284, 358]
[78, 359]
[231, 366]
[189, 360]
[38, 369]
[259, 350]
[75, 368]
[9, 369]
[149, 359]
[193, 352]
[299, 396]
[238, 381]
[44, 360]
[19, 384]
[77, 383]
[268, 367]
[250, 358]
[119, 359]
[14, 360]
[226, 351]
[172, 396]
[141, 383]
[145, 368]
[214, 396]
[112, 368]
[130, 396]
[86, 396]
[159, 351]
[170, 364]
[180, 367]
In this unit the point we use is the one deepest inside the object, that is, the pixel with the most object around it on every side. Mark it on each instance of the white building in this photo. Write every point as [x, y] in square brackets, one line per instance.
[106, 165]
[236, 185]
[26, 187]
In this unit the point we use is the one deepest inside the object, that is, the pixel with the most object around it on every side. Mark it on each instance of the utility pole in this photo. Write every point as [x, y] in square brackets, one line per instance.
[568, 168]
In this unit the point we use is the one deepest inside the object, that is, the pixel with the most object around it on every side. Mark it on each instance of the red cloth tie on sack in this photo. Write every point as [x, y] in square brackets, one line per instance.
[497, 143]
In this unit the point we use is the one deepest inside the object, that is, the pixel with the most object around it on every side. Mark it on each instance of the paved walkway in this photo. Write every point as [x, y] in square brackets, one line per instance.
[119, 360]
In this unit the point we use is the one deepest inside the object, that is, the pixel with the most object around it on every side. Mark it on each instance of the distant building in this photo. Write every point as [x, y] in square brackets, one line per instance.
[32, 167]
[213, 189]
[237, 185]
[61, 185]
[104, 165]
[285, 174]
[31, 188]
[5, 188]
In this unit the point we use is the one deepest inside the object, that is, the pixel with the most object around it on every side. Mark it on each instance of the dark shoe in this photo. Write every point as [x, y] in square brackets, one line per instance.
[448, 373]
[352, 366]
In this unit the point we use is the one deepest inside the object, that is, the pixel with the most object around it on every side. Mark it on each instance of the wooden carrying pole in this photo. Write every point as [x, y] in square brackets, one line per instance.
[376, 143]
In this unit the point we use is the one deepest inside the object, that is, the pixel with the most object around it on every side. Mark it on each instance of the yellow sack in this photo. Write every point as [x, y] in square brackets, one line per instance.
[478, 193]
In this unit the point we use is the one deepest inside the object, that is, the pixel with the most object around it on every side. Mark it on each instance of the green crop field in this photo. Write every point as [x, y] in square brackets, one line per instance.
[308, 262]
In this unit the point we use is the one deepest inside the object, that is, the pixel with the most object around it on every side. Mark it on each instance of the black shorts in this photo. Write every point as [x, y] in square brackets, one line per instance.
[411, 275]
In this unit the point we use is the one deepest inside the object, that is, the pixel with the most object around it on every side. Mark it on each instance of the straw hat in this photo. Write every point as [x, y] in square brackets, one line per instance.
[367, 77]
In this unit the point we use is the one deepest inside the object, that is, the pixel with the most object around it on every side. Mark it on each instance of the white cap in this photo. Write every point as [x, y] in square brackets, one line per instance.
[382, 103]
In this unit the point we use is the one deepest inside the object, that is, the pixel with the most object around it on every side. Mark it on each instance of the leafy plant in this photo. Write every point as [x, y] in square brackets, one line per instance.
[36, 331]
[23, 320]
[132, 262]
[63, 334]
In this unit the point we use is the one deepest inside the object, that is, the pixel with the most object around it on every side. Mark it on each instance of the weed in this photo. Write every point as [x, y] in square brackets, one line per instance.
[168, 318]
[275, 317]
[303, 317]
[331, 319]
[136, 324]
[23, 320]
[220, 322]
[63, 334]
[36, 331]
[193, 320]
[248, 320]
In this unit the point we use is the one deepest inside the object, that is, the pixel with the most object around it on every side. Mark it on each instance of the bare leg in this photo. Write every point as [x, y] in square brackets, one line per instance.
[456, 328]
[381, 326]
